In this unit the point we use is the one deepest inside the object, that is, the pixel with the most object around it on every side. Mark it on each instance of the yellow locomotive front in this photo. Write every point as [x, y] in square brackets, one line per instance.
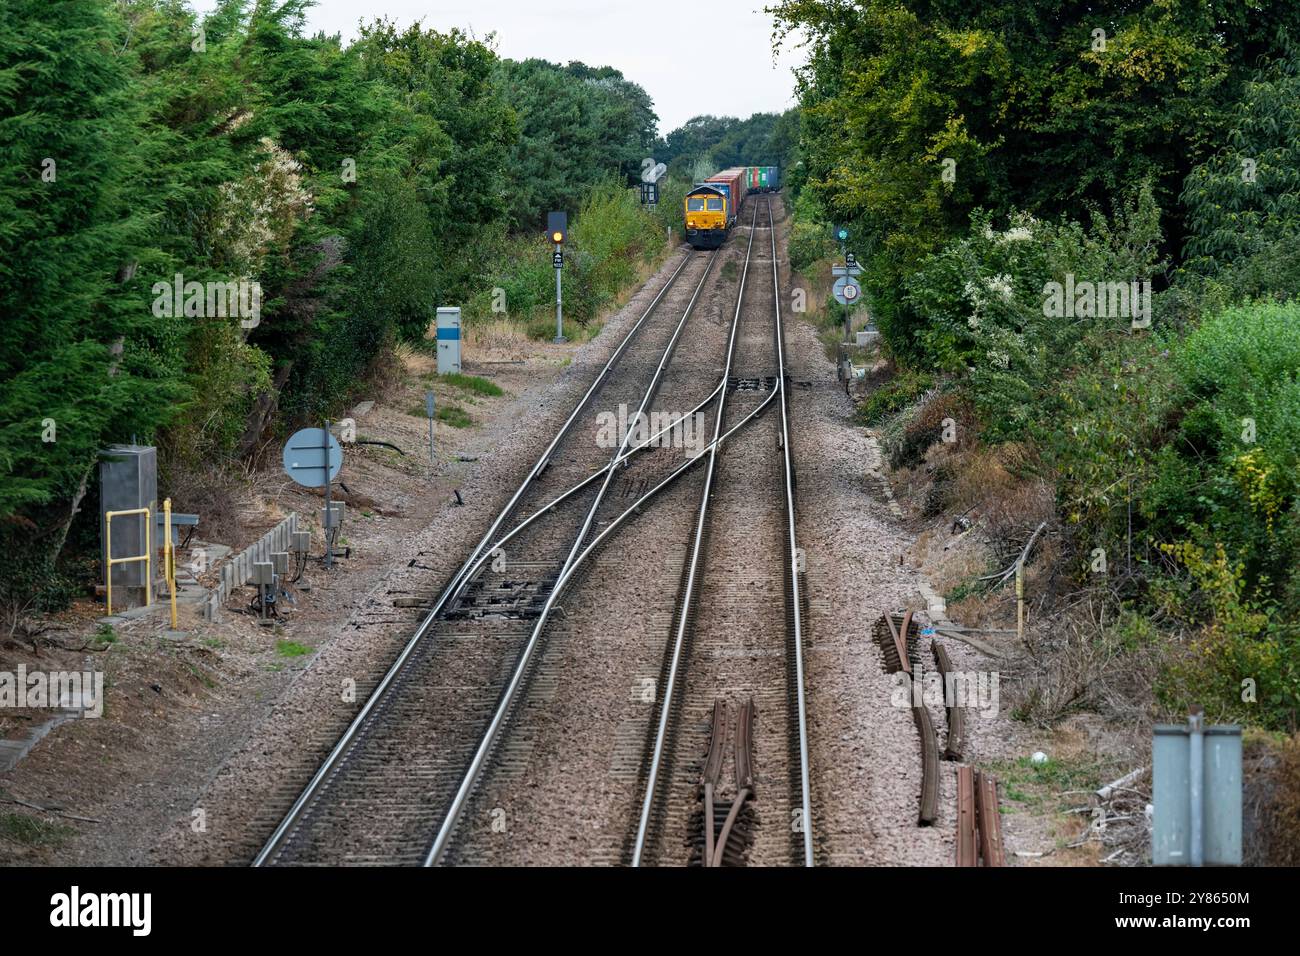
[706, 217]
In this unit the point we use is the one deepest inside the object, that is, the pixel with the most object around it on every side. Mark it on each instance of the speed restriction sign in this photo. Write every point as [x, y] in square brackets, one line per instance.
[846, 290]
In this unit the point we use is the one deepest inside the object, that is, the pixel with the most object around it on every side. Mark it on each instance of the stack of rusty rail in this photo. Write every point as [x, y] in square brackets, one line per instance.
[722, 830]
[897, 636]
[979, 825]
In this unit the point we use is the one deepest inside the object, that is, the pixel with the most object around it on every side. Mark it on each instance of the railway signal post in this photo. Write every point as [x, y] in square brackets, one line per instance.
[557, 224]
[312, 458]
[846, 290]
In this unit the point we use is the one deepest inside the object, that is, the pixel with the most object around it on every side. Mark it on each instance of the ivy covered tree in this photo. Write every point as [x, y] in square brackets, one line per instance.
[83, 362]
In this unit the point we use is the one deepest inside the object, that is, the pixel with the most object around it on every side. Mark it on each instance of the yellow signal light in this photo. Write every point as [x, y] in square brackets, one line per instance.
[557, 237]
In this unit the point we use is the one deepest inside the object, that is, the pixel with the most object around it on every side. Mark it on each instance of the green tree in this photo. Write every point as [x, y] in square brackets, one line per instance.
[1243, 203]
[578, 126]
[79, 363]
[1022, 106]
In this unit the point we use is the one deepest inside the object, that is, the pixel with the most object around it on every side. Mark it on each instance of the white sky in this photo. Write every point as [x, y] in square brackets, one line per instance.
[644, 41]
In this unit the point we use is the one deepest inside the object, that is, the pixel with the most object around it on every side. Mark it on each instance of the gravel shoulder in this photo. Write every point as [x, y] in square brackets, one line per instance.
[865, 755]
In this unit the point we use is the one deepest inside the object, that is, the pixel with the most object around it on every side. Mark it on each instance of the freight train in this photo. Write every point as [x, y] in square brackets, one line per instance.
[713, 206]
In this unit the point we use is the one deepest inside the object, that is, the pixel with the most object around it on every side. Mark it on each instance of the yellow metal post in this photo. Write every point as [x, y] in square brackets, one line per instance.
[1020, 601]
[147, 557]
[108, 555]
[169, 557]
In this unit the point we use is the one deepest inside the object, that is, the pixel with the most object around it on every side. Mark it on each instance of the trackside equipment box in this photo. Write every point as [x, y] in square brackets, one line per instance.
[128, 479]
[1185, 781]
[448, 340]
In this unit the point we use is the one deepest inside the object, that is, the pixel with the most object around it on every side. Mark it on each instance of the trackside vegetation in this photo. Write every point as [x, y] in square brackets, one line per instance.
[1080, 234]
[147, 151]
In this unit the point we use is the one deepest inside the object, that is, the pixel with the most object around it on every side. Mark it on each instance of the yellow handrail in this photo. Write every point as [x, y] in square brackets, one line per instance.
[146, 557]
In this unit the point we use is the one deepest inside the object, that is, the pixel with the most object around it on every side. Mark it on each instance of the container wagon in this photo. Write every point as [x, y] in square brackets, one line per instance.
[762, 179]
[713, 207]
[732, 182]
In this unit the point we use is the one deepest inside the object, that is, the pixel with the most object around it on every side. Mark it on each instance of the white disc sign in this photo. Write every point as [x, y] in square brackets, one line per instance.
[312, 457]
[846, 290]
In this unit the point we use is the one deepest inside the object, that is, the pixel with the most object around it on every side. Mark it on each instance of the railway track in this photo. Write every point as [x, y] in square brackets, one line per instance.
[420, 774]
[568, 769]
[738, 626]
[394, 775]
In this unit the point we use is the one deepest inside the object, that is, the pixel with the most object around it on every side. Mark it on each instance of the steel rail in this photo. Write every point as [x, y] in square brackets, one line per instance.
[692, 573]
[804, 774]
[456, 585]
[680, 470]
[956, 715]
[517, 678]
[968, 853]
[989, 820]
[929, 807]
[565, 496]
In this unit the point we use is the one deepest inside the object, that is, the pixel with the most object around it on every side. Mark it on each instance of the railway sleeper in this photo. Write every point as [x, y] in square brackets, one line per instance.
[765, 383]
[738, 840]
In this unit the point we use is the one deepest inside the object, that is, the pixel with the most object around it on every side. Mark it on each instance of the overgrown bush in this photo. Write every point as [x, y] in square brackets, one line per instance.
[1229, 475]
[810, 241]
[891, 397]
[988, 311]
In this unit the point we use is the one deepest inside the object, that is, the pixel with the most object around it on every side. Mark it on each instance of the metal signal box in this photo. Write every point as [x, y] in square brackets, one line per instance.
[448, 340]
[128, 479]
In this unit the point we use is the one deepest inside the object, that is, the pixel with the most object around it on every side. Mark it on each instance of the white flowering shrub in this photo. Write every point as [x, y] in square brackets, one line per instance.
[984, 309]
[261, 211]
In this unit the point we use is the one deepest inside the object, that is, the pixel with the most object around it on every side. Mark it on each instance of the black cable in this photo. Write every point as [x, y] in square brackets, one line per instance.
[360, 441]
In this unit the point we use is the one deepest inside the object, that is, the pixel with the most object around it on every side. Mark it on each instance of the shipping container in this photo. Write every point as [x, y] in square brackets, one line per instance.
[732, 182]
[762, 179]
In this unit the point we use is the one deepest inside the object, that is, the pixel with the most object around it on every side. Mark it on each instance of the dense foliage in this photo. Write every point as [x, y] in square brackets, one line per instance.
[146, 150]
[980, 153]
[916, 113]
[704, 144]
[580, 126]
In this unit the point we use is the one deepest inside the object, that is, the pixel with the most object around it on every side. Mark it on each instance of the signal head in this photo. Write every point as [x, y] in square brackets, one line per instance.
[557, 226]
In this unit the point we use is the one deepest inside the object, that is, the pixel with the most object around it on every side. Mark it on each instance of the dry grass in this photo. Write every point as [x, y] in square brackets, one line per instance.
[1078, 659]
[497, 338]
[982, 475]
[221, 497]
[1273, 800]
[1011, 516]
